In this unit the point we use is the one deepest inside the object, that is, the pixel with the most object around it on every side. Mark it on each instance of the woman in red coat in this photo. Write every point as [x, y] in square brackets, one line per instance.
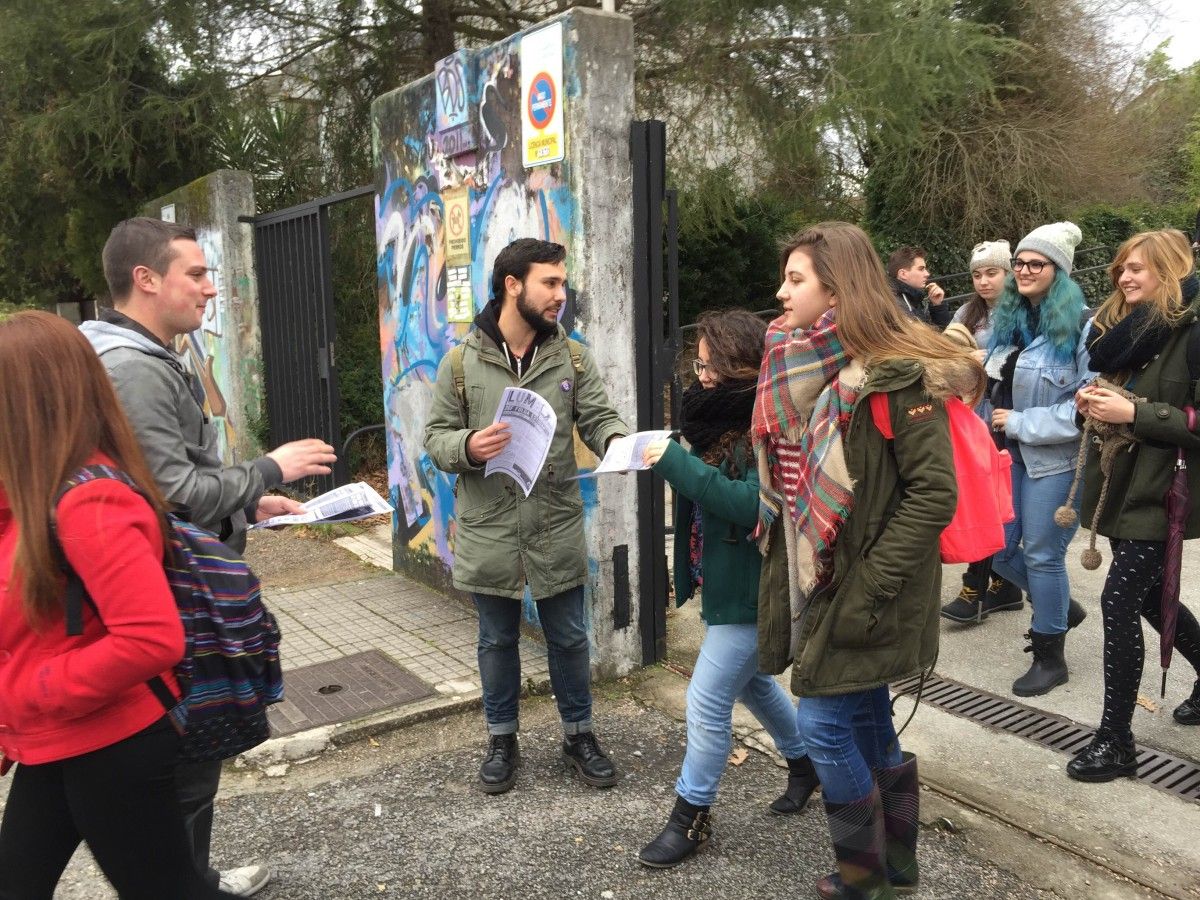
[95, 754]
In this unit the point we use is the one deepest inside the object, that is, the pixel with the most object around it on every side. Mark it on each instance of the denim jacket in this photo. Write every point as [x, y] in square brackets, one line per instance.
[1043, 415]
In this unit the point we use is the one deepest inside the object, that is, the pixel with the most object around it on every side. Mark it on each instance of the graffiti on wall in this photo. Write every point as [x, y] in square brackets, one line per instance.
[210, 349]
[426, 300]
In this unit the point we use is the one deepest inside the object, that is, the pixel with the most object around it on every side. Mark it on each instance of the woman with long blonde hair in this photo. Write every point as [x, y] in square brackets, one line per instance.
[1139, 341]
[849, 526]
[94, 751]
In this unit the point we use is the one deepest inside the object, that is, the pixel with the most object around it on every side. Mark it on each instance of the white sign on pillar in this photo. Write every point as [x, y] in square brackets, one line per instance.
[543, 135]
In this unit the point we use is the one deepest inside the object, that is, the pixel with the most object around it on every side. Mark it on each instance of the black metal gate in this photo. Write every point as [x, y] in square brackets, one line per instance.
[656, 342]
[293, 265]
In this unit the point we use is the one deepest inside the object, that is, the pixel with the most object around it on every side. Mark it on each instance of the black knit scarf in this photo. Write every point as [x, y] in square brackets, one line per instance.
[710, 414]
[1136, 339]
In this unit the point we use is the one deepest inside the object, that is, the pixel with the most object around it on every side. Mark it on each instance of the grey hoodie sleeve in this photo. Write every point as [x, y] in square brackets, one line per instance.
[186, 466]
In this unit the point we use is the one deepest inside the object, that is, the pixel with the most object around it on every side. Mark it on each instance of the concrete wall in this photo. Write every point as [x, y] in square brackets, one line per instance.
[226, 352]
[582, 202]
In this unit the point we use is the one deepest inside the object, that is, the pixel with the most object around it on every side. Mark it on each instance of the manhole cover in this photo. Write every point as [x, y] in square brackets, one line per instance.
[343, 689]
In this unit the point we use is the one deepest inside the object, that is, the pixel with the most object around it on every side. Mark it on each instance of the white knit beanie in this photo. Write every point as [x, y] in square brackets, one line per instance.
[1056, 242]
[991, 253]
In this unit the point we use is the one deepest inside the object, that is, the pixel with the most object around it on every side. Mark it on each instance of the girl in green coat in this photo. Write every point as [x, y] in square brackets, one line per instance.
[716, 506]
[1139, 340]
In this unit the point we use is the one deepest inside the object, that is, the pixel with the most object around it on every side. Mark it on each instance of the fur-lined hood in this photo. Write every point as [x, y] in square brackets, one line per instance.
[941, 378]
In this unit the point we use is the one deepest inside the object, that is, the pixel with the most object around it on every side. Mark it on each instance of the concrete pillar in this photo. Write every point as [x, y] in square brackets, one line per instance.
[226, 351]
[431, 166]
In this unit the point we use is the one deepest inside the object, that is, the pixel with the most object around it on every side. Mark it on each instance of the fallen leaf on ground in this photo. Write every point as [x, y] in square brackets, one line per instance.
[1147, 703]
[739, 756]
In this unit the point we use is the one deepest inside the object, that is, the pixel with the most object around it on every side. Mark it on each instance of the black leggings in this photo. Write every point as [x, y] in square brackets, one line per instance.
[120, 800]
[1133, 588]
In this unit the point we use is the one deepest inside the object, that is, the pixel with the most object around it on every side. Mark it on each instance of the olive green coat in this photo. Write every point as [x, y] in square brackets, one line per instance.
[1134, 508]
[502, 538]
[730, 561]
[877, 619]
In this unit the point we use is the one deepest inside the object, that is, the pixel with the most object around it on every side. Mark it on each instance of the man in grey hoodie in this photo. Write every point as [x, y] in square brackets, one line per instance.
[160, 286]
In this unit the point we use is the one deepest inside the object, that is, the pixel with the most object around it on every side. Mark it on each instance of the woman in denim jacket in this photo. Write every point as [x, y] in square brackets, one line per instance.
[1038, 355]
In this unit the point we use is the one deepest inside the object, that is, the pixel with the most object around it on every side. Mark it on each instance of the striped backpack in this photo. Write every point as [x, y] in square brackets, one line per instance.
[230, 669]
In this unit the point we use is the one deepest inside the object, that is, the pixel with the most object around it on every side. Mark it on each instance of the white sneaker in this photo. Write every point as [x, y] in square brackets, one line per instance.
[245, 881]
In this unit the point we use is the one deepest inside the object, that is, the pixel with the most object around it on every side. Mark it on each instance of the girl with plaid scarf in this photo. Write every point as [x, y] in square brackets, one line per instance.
[848, 525]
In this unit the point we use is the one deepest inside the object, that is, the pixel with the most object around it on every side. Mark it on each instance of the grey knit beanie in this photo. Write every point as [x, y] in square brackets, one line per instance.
[1056, 242]
[991, 253]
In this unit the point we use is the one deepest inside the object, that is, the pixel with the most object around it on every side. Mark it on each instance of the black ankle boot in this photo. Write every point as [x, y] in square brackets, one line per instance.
[1106, 758]
[1001, 595]
[1049, 668]
[688, 827]
[802, 781]
[1188, 712]
[1075, 613]
[582, 752]
[499, 769]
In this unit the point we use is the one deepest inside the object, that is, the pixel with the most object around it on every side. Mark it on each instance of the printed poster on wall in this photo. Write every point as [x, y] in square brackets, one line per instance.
[543, 135]
[456, 206]
[460, 302]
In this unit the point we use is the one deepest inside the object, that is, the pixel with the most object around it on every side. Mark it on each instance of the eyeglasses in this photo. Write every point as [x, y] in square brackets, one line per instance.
[700, 367]
[1034, 266]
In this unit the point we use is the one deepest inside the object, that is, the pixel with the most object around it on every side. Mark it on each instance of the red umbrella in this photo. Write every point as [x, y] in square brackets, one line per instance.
[1178, 507]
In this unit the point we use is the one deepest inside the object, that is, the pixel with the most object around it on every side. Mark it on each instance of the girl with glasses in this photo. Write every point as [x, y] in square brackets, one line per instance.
[1038, 357]
[1139, 340]
[716, 506]
[849, 525]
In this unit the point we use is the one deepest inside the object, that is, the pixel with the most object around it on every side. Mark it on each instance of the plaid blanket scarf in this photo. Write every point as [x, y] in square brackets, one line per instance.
[807, 387]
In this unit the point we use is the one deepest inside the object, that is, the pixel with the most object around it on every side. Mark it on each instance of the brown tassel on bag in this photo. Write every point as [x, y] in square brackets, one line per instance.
[1112, 438]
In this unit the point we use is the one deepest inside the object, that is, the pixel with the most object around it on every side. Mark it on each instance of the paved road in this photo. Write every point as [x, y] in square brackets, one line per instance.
[402, 819]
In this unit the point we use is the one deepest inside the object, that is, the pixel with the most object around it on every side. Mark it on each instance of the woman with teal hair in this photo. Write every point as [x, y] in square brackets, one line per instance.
[1038, 357]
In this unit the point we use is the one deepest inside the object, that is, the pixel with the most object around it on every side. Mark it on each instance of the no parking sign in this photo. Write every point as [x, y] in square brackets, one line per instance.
[543, 137]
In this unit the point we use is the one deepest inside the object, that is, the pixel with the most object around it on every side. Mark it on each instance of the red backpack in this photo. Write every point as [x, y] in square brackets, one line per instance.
[984, 483]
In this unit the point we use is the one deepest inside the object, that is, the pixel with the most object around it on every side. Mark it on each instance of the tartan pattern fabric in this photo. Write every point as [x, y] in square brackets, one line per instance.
[807, 389]
[901, 794]
[856, 831]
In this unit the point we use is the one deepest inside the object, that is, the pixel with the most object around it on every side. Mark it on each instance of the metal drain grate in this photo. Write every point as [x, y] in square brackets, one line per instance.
[1155, 768]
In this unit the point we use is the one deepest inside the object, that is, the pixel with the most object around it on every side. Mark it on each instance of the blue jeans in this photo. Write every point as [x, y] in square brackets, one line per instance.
[565, 626]
[727, 669]
[1035, 552]
[848, 736]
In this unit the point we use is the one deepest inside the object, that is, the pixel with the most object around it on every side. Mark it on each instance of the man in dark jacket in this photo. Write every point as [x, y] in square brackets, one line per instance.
[910, 283]
[160, 286]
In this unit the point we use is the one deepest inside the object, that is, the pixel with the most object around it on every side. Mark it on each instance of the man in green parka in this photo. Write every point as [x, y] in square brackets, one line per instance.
[505, 541]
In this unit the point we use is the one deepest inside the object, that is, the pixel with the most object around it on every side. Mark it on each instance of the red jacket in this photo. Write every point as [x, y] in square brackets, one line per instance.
[64, 696]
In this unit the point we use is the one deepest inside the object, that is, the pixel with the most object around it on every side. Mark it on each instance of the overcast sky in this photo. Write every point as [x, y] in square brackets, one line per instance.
[1180, 22]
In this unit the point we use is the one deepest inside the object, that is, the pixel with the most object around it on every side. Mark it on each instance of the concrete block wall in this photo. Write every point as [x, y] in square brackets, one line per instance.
[583, 202]
[226, 351]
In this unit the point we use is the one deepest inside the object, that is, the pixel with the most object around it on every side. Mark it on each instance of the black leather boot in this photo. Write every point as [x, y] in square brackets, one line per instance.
[1049, 668]
[967, 607]
[499, 769]
[1106, 758]
[1188, 712]
[582, 753]
[802, 781]
[1001, 595]
[688, 827]
[1075, 613]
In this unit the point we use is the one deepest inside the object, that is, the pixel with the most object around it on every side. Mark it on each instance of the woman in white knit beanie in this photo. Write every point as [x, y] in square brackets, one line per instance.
[1039, 356]
[983, 592]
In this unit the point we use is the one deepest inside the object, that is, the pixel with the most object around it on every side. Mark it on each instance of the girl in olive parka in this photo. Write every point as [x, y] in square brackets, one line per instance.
[716, 506]
[1139, 340]
[850, 522]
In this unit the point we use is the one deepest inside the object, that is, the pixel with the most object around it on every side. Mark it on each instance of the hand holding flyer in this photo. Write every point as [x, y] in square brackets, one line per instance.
[531, 421]
[343, 504]
[624, 454]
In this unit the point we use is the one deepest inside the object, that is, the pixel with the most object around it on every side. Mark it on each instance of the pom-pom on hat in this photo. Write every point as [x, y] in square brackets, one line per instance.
[1056, 241]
